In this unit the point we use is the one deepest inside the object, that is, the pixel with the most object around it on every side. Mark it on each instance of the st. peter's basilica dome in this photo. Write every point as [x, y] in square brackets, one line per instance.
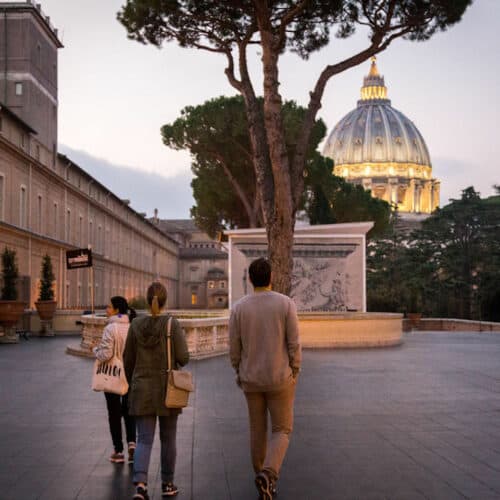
[379, 147]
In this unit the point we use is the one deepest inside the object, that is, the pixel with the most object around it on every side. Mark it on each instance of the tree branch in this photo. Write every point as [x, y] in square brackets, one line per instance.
[289, 16]
[237, 188]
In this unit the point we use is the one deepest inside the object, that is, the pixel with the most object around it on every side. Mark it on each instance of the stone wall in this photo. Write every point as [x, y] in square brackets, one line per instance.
[457, 325]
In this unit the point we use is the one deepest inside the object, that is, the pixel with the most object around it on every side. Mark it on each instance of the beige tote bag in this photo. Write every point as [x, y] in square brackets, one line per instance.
[109, 376]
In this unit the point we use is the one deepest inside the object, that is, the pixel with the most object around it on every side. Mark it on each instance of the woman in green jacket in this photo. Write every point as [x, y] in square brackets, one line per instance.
[145, 360]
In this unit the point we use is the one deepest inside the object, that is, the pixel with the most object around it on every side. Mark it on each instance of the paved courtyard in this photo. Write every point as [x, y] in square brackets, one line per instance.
[418, 421]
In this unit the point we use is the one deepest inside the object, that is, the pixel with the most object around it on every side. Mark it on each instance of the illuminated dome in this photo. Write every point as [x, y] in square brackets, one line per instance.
[379, 147]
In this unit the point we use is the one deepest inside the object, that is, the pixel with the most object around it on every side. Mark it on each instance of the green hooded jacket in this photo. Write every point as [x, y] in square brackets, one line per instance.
[145, 360]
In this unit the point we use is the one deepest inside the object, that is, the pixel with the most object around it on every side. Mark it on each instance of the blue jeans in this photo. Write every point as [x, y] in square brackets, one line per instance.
[146, 425]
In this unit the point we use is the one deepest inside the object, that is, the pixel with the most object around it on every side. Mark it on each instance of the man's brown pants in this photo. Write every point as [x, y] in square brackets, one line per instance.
[279, 404]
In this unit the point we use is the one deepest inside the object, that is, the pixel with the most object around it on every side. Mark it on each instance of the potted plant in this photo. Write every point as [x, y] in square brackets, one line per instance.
[46, 305]
[10, 308]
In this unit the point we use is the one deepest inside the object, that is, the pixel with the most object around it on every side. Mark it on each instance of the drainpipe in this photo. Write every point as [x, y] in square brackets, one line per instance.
[5, 55]
[30, 229]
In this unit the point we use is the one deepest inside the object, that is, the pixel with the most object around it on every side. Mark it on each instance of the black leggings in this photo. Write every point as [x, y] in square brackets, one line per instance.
[118, 408]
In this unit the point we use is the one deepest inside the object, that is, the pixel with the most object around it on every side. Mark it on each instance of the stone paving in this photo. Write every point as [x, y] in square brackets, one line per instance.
[420, 421]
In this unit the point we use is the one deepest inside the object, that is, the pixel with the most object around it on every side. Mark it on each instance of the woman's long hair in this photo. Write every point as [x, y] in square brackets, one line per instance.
[156, 297]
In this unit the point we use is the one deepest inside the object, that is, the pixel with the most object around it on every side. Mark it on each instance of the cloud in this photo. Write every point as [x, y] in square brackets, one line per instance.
[172, 196]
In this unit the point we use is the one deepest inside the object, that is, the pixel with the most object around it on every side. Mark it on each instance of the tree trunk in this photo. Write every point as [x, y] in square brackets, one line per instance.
[280, 226]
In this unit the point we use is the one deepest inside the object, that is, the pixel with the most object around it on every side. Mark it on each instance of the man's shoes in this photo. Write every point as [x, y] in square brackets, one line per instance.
[131, 451]
[141, 493]
[117, 458]
[169, 489]
[264, 486]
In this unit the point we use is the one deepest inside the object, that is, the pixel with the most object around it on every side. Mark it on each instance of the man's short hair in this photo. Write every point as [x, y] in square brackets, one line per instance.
[260, 272]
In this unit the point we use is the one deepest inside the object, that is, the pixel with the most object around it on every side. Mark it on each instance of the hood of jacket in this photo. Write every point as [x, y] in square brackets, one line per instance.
[150, 330]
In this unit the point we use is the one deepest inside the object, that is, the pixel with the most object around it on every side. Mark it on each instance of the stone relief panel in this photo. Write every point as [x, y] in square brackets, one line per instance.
[320, 284]
[327, 275]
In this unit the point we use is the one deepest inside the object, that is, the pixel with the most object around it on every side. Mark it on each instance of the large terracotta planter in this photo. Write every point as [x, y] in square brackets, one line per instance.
[10, 312]
[46, 309]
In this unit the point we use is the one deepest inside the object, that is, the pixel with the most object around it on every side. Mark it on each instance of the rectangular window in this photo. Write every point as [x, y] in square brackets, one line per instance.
[211, 284]
[68, 225]
[23, 207]
[90, 234]
[67, 301]
[194, 299]
[222, 284]
[2, 184]
[39, 214]
[19, 88]
[56, 222]
[80, 230]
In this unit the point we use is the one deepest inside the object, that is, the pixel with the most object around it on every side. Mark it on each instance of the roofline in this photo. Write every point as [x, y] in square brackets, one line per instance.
[31, 6]
[16, 118]
[127, 206]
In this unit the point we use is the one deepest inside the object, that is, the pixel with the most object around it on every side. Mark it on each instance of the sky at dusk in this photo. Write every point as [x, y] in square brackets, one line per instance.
[115, 94]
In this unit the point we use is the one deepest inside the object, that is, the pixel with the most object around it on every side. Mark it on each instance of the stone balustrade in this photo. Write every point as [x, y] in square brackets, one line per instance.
[206, 336]
[209, 335]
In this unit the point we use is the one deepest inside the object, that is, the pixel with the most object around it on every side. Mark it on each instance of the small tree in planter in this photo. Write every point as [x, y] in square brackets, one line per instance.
[10, 308]
[46, 305]
[10, 274]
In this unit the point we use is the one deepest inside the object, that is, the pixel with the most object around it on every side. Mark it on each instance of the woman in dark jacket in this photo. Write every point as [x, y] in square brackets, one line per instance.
[145, 360]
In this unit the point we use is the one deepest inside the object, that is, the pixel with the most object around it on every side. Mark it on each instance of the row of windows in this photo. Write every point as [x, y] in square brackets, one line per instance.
[95, 235]
[211, 284]
[202, 245]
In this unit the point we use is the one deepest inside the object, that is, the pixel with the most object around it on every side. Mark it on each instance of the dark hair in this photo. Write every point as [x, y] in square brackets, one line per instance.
[260, 272]
[156, 297]
[120, 303]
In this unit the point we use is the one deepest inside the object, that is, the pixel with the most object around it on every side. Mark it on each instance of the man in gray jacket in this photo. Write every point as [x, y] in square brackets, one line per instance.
[265, 352]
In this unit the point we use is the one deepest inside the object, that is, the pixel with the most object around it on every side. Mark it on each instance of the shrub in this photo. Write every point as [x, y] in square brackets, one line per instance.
[10, 274]
[46, 279]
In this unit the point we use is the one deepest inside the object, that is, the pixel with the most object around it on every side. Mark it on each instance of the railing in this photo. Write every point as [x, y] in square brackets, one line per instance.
[206, 337]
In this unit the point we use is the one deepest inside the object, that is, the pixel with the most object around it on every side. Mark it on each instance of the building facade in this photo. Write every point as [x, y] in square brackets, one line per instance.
[377, 146]
[45, 210]
[203, 265]
[48, 204]
[28, 75]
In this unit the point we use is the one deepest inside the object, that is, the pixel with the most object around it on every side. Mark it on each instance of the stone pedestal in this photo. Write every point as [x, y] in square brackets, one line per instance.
[46, 329]
[93, 326]
[9, 336]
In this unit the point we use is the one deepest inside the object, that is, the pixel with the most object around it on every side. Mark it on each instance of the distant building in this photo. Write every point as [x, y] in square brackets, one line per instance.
[203, 265]
[379, 148]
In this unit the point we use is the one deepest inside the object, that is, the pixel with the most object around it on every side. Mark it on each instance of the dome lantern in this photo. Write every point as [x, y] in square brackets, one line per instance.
[373, 88]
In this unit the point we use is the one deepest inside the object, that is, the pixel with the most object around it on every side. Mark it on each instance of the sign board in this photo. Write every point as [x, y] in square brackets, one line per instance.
[81, 257]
